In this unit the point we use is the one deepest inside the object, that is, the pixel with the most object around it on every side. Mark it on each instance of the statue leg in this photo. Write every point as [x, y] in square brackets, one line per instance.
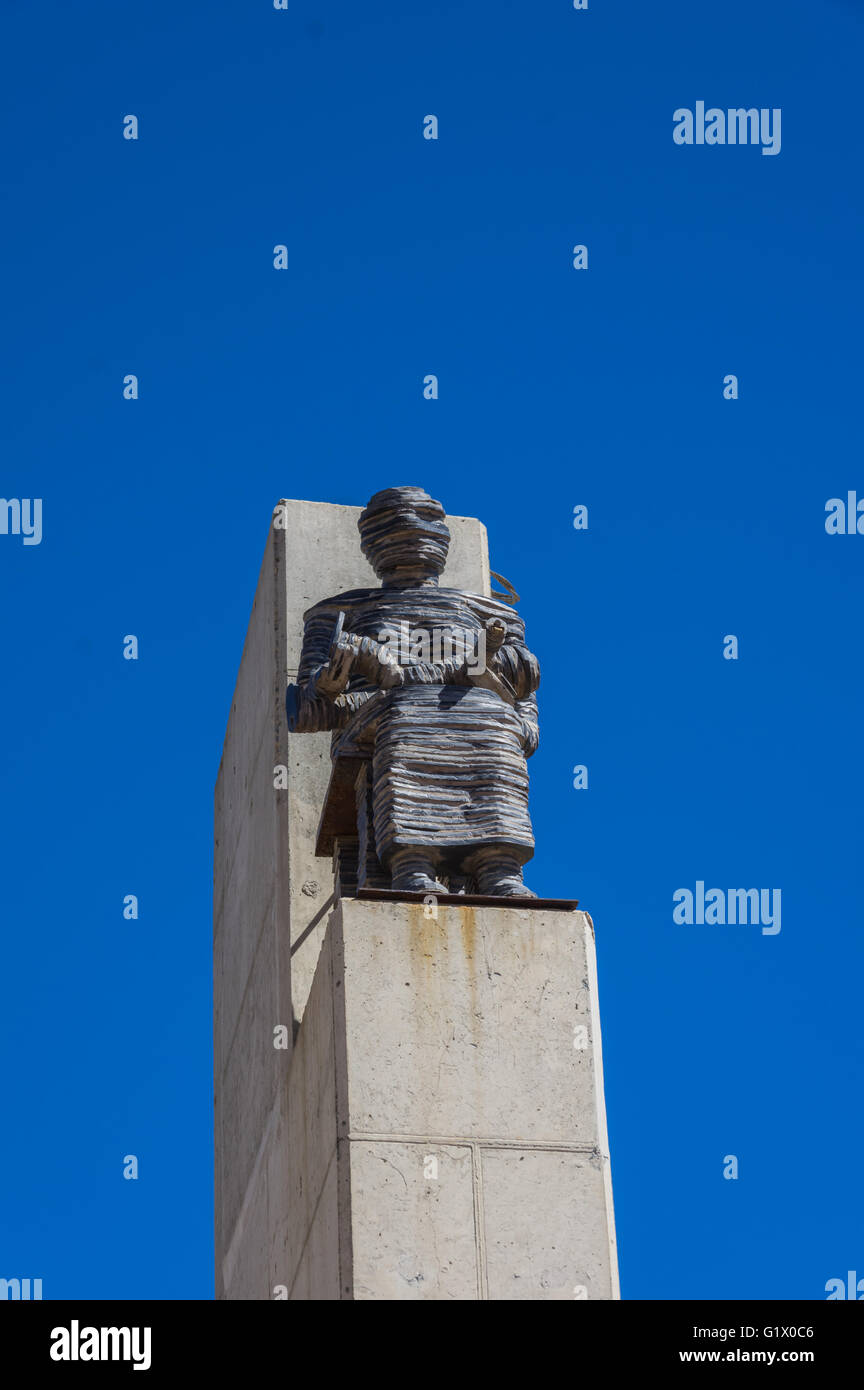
[413, 871]
[498, 872]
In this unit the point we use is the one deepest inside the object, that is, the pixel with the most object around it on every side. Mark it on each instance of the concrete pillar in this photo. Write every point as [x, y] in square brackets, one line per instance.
[444, 1133]
[430, 1124]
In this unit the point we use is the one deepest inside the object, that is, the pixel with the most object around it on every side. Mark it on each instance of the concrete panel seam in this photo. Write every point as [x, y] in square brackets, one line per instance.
[484, 1141]
[479, 1224]
[334, 944]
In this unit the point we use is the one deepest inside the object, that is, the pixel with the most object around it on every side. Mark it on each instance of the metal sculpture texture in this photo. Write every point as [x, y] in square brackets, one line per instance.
[430, 696]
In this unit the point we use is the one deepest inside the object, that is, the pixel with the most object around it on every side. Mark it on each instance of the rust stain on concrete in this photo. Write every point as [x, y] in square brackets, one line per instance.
[425, 941]
[468, 932]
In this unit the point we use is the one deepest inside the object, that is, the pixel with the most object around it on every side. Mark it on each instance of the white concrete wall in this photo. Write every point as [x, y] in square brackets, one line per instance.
[455, 1043]
[251, 958]
[271, 894]
[440, 1137]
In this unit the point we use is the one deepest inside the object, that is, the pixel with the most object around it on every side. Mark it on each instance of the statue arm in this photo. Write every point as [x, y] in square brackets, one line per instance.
[312, 713]
[519, 667]
[507, 655]
[320, 702]
[520, 670]
[527, 712]
[451, 672]
[315, 703]
[510, 660]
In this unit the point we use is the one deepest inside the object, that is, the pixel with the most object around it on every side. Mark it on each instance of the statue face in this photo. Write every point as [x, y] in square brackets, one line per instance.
[403, 529]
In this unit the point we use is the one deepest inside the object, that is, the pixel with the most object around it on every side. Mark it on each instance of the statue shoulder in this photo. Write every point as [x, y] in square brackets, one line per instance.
[485, 608]
[492, 605]
[331, 607]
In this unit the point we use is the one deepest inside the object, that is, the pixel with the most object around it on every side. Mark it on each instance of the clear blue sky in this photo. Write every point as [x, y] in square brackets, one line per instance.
[557, 387]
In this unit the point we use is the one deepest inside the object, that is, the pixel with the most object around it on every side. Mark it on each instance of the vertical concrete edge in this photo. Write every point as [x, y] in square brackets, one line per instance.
[602, 1127]
[335, 942]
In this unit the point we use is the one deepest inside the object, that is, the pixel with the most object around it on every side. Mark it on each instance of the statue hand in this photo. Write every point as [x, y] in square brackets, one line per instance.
[333, 678]
[376, 663]
[496, 631]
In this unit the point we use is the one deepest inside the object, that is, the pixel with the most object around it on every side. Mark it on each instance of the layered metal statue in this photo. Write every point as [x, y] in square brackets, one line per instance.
[430, 696]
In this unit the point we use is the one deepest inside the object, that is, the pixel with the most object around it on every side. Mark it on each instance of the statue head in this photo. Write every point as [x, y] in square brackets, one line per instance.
[404, 536]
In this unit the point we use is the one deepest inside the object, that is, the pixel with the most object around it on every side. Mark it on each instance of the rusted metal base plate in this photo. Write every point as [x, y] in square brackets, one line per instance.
[387, 895]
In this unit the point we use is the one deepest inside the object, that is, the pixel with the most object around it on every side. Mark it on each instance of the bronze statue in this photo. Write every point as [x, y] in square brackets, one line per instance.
[430, 695]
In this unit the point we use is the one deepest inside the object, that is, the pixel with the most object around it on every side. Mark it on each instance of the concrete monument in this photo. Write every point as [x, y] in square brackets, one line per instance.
[408, 1081]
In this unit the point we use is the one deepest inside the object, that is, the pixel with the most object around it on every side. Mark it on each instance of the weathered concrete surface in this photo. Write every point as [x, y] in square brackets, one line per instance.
[473, 1040]
[304, 1250]
[444, 1138]
[413, 1237]
[546, 1215]
[251, 960]
[271, 894]
[479, 1029]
